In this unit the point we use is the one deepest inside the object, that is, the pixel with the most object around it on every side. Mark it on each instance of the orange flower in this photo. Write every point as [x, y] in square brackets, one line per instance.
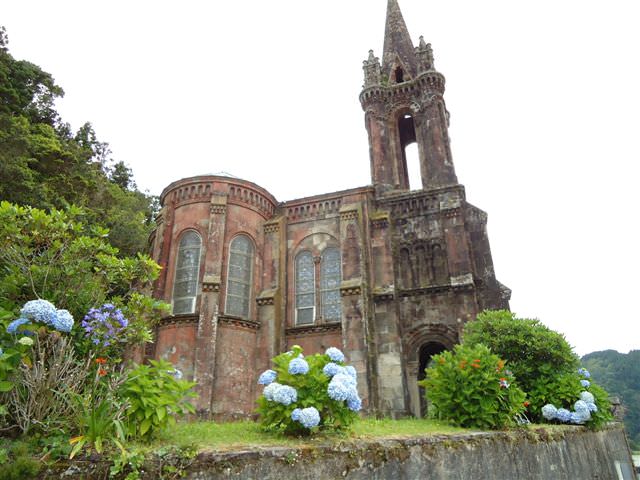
[463, 364]
[526, 404]
[101, 360]
[102, 372]
[500, 365]
[475, 365]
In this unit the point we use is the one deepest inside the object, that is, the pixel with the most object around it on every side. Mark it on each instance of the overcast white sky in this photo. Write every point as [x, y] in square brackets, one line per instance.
[544, 99]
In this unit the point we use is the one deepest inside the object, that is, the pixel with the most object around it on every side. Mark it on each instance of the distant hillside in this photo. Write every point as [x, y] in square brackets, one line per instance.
[619, 374]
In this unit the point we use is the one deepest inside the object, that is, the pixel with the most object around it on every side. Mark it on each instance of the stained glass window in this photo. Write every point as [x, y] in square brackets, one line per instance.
[185, 283]
[330, 277]
[239, 277]
[305, 289]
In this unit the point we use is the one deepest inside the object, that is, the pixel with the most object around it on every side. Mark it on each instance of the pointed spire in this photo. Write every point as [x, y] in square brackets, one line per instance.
[397, 43]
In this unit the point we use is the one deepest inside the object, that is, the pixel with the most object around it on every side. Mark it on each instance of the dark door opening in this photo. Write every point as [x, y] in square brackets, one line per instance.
[427, 351]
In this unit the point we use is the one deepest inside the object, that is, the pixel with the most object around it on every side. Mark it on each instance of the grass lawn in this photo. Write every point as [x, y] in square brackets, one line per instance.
[227, 436]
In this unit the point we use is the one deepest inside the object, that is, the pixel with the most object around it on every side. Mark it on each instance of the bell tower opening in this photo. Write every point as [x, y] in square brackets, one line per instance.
[399, 75]
[410, 152]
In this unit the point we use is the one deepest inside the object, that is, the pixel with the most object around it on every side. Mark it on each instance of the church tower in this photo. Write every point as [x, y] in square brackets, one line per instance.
[403, 101]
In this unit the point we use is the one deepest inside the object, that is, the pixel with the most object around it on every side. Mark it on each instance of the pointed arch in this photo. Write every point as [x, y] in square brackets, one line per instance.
[240, 277]
[187, 273]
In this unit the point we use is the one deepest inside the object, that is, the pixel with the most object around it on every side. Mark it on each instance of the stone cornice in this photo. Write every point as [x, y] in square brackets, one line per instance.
[315, 329]
[238, 322]
[186, 319]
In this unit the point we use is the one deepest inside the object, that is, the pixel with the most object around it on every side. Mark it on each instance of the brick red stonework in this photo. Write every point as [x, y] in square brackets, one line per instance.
[415, 265]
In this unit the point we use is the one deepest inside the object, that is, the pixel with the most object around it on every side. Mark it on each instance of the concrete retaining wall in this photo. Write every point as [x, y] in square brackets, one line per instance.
[573, 453]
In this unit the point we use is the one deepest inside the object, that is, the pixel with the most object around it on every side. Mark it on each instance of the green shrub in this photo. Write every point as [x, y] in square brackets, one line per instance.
[155, 397]
[541, 359]
[303, 394]
[18, 464]
[470, 387]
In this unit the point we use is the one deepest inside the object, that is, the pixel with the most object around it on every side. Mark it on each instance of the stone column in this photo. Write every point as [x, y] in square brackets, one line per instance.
[205, 354]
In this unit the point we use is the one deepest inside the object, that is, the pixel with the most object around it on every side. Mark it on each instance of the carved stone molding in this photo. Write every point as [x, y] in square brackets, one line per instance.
[380, 223]
[264, 301]
[271, 228]
[217, 209]
[314, 329]
[380, 297]
[178, 320]
[238, 322]
[211, 283]
[349, 215]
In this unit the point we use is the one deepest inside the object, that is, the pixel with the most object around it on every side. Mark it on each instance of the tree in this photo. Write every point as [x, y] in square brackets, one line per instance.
[619, 373]
[44, 164]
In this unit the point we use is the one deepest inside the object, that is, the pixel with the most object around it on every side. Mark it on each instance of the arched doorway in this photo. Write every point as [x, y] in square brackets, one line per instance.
[425, 354]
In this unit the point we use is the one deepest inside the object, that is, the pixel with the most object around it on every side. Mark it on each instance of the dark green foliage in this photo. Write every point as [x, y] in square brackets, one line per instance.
[541, 359]
[471, 387]
[46, 165]
[538, 356]
[619, 374]
[155, 396]
[16, 463]
[58, 257]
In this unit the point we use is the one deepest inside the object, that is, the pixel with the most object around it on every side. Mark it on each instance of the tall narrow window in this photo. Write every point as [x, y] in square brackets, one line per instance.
[305, 289]
[239, 277]
[185, 284]
[330, 276]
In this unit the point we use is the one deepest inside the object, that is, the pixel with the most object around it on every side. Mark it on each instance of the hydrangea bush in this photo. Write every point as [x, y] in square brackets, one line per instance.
[303, 394]
[472, 388]
[590, 406]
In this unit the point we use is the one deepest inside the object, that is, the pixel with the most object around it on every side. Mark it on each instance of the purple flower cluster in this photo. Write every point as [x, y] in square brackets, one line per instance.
[103, 325]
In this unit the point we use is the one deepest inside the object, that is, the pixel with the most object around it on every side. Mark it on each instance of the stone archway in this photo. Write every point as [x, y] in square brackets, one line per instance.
[421, 344]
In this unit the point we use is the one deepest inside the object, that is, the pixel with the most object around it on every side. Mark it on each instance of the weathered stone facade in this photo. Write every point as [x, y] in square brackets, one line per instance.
[388, 274]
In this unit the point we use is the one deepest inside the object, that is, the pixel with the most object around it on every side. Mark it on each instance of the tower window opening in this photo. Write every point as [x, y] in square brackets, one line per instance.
[410, 152]
[399, 75]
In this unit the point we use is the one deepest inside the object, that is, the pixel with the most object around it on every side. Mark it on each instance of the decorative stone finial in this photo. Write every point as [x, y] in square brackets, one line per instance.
[371, 69]
[424, 53]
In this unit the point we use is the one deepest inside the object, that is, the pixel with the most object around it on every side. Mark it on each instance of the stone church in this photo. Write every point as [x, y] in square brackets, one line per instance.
[388, 274]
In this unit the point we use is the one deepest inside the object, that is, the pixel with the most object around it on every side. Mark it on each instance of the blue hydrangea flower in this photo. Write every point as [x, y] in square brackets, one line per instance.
[298, 366]
[593, 408]
[331, 369]
[295, 415]
[563, 415]
[267, 377]
[175, 373]
[344, 378]
[354, 403]
[309, 417]
[284, 394]
[40, 311]
[587, 397]
[338, 391]
[335, 354]
[585, 383]
[270, 390]
[63, 321]
[584, 372]
[576, 418]
[549, 412]
[12, 328]
[580, 406]
[351, 371]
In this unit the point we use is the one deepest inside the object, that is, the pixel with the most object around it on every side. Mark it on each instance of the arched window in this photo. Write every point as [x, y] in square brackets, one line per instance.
[185, 283]
[410, 153]
[239, 277]
[330, 276]
[305, 289]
